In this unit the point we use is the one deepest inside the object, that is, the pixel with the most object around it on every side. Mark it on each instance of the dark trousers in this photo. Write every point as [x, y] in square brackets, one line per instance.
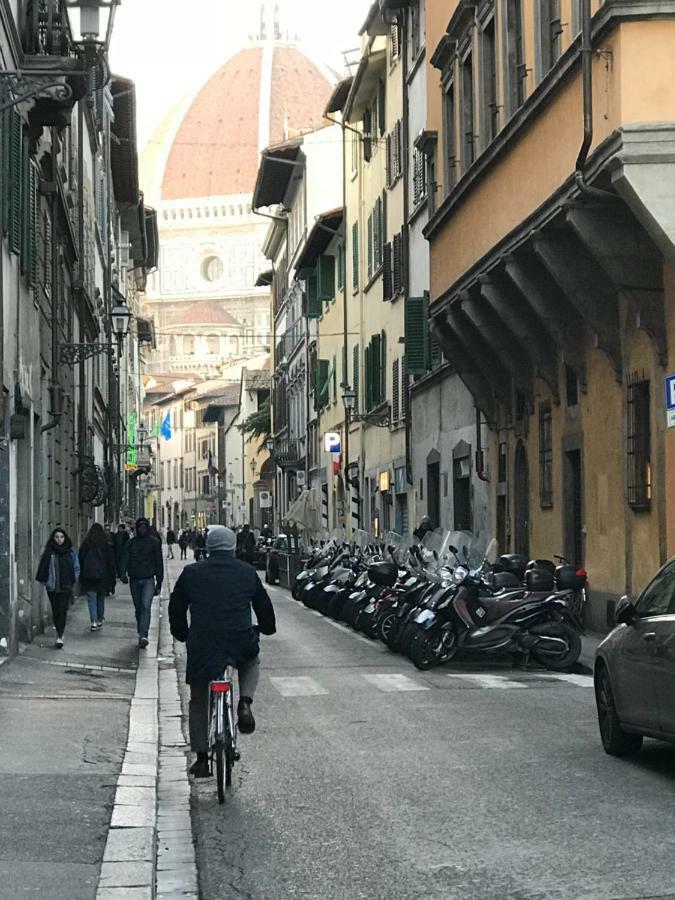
[249, 673]
[60, 602]
[142, 592]
[183, 552]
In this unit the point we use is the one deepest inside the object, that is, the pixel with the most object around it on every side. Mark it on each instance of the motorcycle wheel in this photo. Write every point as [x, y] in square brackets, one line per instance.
[350, 613]
[295, 590]
[335, 606]
[384, 625]
[559, 661]
[407, 637]
[429, 649]
[393, 637]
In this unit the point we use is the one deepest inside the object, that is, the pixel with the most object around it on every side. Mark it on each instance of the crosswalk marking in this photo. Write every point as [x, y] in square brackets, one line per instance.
[389, 683]
[299, 686]
[484, 680]
[579, 680]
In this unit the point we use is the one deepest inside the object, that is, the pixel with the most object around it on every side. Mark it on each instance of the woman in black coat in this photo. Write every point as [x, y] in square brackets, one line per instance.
[97, 572]
[58, 570]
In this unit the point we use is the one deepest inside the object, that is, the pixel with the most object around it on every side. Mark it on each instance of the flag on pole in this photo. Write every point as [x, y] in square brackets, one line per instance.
[165, 430]
[213, 471]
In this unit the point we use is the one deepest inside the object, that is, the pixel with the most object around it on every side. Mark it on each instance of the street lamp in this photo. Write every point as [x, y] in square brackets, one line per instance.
[90, 22]
[121, 318]
[381, 419]
[254, 466]
[141, 434]
[269, 444]
[349, 400]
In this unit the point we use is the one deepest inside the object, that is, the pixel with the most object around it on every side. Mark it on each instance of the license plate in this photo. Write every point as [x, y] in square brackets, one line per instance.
[424, 616]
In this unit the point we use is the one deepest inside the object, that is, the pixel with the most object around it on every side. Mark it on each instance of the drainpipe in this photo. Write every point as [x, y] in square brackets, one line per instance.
[54, 390]
[406, 213]
[587, 54]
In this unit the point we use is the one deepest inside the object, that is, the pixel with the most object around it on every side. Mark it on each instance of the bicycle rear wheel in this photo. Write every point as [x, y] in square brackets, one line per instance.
[220, 754]
[229, 761]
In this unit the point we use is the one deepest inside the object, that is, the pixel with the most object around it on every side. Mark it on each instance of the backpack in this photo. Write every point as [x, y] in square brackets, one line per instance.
[94, 565]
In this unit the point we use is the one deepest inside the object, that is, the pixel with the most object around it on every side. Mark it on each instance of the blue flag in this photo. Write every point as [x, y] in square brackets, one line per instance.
[165, 430]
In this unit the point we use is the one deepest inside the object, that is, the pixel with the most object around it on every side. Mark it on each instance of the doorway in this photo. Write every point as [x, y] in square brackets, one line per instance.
[434, 493]
[521, 502]
[574, 512]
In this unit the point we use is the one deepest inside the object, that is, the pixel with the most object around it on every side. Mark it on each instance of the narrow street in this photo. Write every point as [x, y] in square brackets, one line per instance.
[369, 779]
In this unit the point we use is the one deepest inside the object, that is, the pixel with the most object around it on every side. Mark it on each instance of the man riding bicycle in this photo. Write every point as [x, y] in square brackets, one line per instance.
[219, 592]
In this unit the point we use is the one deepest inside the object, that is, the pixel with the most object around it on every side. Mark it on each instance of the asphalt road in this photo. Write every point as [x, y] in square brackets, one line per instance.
[359, 784]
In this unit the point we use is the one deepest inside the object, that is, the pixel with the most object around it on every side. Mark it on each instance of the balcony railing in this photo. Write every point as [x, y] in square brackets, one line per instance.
[289, 452]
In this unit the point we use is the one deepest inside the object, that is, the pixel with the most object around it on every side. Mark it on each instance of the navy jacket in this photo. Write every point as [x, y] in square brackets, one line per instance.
[220, 593]
[142, 558]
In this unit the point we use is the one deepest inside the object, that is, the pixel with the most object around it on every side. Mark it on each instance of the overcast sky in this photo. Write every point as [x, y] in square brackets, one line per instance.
[169, 48]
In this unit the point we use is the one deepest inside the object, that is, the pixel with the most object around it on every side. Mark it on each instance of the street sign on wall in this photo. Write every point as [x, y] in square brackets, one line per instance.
[331, 442]
[265, 500]
[670, 401]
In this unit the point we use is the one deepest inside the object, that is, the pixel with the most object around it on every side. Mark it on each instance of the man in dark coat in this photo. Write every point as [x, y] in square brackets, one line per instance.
[144, 567]
[219, 593]
[246, 544]
[119, 540]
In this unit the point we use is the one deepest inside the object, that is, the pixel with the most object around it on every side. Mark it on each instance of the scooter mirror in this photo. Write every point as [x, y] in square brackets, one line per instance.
[452, 549]
[465, 551]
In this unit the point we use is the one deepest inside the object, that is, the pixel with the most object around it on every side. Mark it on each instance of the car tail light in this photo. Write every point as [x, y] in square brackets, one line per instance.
[220, 687]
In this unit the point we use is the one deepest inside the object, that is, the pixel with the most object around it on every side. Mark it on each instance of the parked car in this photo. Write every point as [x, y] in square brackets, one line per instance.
[279, 546]
[635, 669]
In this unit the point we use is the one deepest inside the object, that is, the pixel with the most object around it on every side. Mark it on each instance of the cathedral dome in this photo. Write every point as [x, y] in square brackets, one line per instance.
[205, 312]
[263, 94]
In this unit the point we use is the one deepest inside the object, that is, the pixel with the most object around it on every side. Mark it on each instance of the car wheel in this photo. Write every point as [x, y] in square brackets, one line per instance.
[615, 740]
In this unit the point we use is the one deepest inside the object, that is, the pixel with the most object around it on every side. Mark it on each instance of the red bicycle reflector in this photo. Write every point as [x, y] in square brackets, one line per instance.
[220, 687]
[582, 573]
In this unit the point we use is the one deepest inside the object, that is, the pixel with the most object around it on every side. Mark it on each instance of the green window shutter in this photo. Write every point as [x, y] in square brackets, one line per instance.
[15, 182]
[383, 367]
[435, 353]
[370, 246]
[312, 291]
[356, 375]
[5, 126]
[355, 256]
[31, 226]
[341, 267]
[334, 380]
[322, 381]
[416, 335]
[326, 277]
[367, 400]
[344, 367]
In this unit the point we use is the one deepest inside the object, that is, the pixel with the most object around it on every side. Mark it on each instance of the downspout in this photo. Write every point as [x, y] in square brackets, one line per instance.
[406, 213]
[587, 54]
[54, 421]
[345, 323]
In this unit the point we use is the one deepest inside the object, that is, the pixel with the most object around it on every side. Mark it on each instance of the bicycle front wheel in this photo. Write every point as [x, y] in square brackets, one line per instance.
[219, 753]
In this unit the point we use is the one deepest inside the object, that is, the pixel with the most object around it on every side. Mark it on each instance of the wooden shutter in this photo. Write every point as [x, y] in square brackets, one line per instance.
[395, 392]
[321, 380]
[388, 177]
[404, 389]
[416, 335]
[386, 273]
[367, 135]
[326, 277]
[368, 398]
[15, 182]
[5, 125]
[383, 367]
[356, 375]
[312, 291]
[370, 246]
[381, 107]
[396, 265]
[435, 353]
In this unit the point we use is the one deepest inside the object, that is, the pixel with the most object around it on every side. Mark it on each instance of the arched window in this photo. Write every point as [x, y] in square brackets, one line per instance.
[188, 345]
[213, 344]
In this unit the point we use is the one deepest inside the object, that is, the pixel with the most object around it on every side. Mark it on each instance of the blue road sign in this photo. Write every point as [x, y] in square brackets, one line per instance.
[670, 392]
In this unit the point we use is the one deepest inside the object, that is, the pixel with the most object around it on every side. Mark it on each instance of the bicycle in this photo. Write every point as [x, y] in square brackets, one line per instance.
[222, 730]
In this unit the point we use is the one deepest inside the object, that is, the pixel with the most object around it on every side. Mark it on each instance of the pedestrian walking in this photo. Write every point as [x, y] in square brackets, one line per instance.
[220, 594]
[120, 538]
[58, 571]
[144, 568]
[246, 544]
[97, 573]
[183, 543]
[200, 545]
[170, 541]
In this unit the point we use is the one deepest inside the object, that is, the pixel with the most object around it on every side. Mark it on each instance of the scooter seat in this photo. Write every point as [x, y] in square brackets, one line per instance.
[513, 600]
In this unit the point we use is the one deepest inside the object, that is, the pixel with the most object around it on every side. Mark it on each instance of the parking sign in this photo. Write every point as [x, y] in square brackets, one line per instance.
[670, 400]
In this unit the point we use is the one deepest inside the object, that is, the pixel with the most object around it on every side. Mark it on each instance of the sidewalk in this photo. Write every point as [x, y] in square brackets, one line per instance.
[65, 718]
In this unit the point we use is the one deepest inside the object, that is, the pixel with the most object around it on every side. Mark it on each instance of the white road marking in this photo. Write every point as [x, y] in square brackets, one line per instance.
[390, 683]
[579, 680]
[483, 680]
[300, 686]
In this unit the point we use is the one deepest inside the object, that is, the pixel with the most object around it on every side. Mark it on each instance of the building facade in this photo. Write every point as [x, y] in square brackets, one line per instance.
[551, 269]
[76, 242]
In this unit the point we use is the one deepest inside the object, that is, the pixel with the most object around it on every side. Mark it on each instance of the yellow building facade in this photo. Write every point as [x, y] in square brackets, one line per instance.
[552, 279]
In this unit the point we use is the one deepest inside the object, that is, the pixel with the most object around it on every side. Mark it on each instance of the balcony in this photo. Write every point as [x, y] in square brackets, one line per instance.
[289, 453]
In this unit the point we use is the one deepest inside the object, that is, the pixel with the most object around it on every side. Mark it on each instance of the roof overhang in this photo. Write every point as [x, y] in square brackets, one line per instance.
[265, 278]
[325, 228]
[123, 144]
[277, 165]
[339, 96]
[371, 68]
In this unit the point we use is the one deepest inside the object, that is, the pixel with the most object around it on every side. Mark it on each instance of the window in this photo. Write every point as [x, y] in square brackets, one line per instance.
[355, 256]
[461, 482]
[551, 32]
[419, 176]
[188, 345]
[375, 371]
[368, 135]
[490, 112]
[450, 130]
[515, 54]
[376, 227]
[213, 344]
[395, 154]
[341, 267]
[322, 375]
[571, 387]
[545, 455]
[468, 123]
[355, 376]
[404, 390]
[417, 335]
[397, 262]
[206, 485]
[639, 443]
[658, 598]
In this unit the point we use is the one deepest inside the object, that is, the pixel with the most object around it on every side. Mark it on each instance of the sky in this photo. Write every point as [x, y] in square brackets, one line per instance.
[169, 48]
